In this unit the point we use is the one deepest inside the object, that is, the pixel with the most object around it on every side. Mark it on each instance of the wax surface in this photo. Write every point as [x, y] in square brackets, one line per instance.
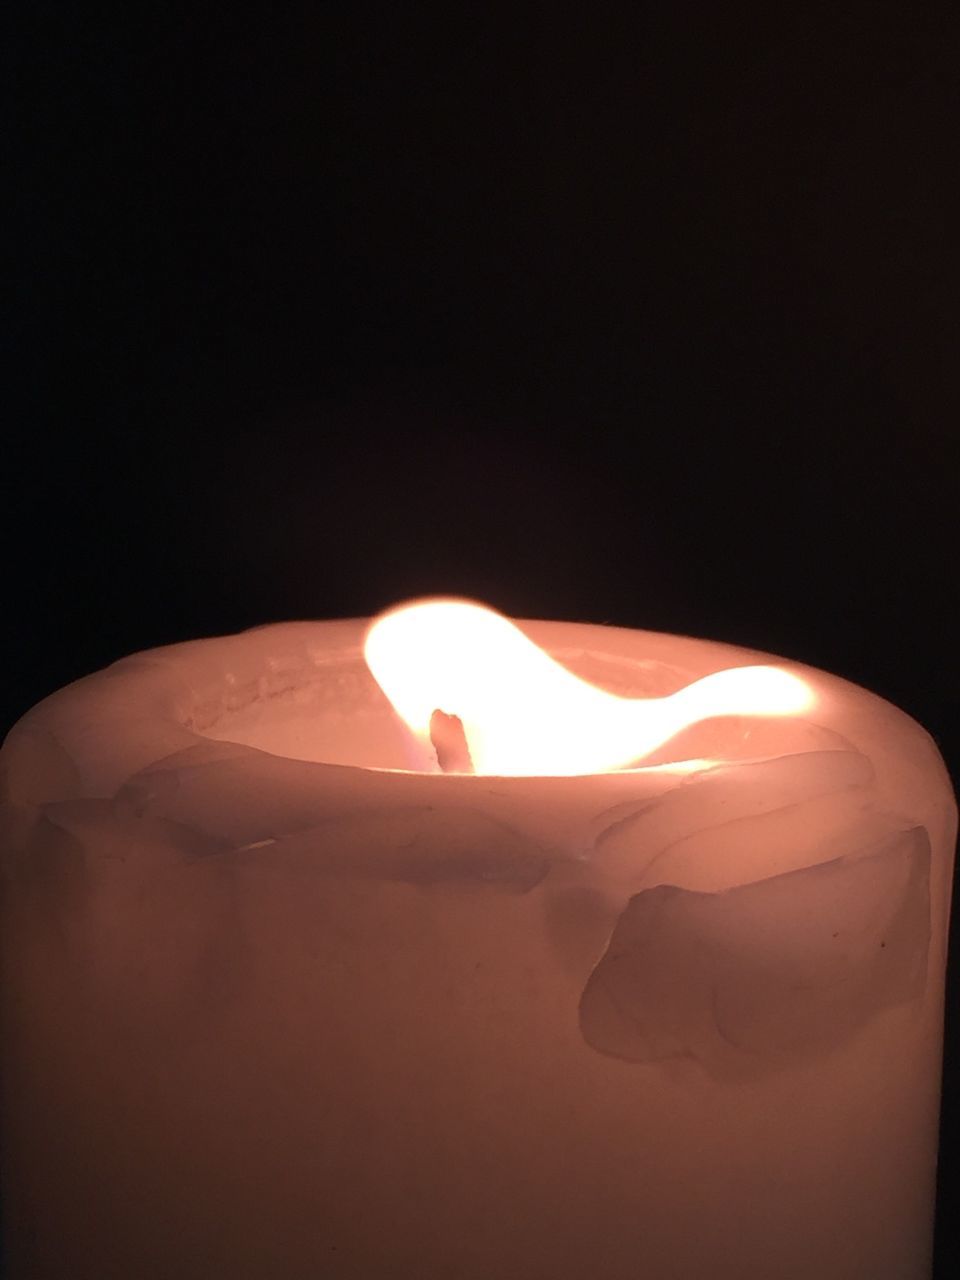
[275, 1007]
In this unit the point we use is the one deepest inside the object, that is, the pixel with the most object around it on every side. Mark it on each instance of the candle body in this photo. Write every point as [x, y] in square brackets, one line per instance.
[270, 1016]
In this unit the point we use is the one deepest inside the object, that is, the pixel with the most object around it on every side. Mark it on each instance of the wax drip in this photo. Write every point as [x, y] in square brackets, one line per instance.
[450, 743]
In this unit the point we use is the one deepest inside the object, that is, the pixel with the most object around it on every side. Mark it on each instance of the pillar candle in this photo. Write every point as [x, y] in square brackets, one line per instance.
[284, 998]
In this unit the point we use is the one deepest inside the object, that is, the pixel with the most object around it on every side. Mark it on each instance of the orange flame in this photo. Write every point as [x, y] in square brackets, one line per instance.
[524, 713]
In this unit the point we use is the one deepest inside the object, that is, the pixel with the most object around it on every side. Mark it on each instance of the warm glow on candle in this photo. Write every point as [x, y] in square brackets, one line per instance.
[524, 713]
[694, 998]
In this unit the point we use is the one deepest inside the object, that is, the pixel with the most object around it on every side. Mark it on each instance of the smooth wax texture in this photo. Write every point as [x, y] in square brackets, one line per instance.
[274, 1007]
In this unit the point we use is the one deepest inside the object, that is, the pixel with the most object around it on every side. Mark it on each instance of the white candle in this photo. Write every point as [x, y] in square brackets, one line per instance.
[274, 1006]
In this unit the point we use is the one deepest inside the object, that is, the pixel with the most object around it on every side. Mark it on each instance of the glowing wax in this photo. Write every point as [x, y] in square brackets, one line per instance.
[275, 1006]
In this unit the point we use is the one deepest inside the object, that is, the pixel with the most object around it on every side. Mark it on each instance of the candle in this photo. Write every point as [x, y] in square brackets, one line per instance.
[555, 951]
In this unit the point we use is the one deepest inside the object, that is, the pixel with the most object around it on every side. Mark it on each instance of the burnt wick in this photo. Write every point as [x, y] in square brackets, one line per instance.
[450, 743]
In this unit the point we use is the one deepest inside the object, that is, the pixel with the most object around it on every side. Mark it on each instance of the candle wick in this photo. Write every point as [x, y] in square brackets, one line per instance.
[450, 743]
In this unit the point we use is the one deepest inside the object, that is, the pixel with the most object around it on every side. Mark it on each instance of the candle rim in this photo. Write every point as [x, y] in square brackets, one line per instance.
[147, 701]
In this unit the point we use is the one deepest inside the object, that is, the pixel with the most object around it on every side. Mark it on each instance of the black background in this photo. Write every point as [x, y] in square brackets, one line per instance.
[640, 313]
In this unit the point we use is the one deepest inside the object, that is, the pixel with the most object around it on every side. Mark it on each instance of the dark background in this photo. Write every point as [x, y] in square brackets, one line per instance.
[642, 313]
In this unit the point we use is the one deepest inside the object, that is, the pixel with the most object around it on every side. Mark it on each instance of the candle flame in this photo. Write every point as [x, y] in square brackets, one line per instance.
[522, 712]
